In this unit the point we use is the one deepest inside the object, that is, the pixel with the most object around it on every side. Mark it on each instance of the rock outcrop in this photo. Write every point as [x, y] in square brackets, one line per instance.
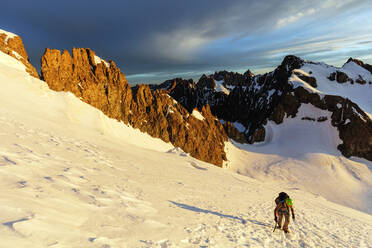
[12, 45]
[340, 77]
[105, 87]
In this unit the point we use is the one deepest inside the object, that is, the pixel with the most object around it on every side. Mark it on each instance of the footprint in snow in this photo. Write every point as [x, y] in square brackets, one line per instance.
[196, 166]
[7, 161]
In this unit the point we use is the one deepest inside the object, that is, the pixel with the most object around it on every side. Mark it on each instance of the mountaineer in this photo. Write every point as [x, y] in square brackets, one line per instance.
[283, 204]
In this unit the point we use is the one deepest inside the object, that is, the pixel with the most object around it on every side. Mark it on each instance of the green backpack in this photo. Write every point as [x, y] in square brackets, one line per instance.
[289, 202]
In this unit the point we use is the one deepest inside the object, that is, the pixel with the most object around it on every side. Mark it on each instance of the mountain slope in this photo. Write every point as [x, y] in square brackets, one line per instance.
[71, 177]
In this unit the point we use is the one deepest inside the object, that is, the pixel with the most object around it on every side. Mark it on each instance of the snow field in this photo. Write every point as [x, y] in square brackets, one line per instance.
[60, 191]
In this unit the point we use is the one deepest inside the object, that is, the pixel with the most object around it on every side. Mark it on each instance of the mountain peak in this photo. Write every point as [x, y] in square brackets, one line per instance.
[360, 63]
[12, 45]
[291, 62]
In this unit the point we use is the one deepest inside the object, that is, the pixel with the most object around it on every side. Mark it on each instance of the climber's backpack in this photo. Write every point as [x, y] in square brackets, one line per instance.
[283, 201]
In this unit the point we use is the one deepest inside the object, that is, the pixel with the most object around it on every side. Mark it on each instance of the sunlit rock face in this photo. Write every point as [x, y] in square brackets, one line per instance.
[102, 85]
[12, 45]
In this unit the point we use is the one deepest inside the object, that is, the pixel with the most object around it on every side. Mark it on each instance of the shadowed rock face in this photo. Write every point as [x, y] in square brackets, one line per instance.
[14, 47]
[234, 133]
[250, 102]
[340, 77]
[103, 86]
[233, 78]
[206, 82]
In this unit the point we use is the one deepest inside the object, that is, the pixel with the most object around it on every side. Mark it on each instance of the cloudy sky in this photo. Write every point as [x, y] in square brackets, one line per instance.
[155, 40]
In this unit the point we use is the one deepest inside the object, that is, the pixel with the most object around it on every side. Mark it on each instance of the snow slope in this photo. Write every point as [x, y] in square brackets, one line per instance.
[71, 177]
[303, 153]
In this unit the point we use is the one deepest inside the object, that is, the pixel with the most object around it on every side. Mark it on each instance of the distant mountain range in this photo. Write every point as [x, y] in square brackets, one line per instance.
[199, 117]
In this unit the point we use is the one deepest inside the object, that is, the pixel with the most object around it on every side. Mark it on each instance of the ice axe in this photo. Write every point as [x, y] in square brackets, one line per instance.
[276, 225]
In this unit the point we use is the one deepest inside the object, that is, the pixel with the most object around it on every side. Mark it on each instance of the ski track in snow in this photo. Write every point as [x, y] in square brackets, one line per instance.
[70, 177]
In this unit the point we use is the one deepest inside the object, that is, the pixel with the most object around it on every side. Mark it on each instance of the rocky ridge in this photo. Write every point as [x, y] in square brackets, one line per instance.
[104, 86]
[230, 104]
[250, 101]
[12, 45]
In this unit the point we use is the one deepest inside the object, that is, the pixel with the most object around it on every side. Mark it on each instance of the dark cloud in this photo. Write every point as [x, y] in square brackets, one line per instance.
[170, 37]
